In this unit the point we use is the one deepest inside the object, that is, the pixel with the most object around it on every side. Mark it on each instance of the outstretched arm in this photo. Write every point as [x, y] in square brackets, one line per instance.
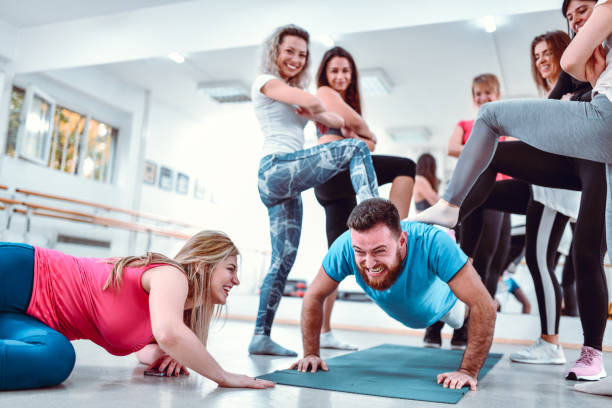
[455, 142]
[352, 120]
[309, 105]
[167, 294]
[468, 287]
[312, 317]
[584, 58]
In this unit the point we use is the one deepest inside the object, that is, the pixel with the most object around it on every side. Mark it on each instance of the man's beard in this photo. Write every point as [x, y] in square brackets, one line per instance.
[392, 273]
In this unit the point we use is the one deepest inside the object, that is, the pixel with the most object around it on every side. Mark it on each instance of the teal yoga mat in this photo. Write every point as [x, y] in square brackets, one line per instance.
[387, 370]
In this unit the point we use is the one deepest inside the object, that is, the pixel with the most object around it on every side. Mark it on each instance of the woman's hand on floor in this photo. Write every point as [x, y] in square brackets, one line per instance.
[168, 365]
[242, 381]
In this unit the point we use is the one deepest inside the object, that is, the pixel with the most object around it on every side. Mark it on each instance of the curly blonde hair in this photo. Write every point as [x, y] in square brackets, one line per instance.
[197, 259]
[269, 54]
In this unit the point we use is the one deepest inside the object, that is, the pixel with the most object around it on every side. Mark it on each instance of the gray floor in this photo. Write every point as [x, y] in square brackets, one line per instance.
[102, 380]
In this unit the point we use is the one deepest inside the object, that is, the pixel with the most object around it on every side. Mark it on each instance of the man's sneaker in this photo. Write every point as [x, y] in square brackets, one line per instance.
[433, 337]
[588, 367]
[328, 340]
[540, 352]
[460, 337]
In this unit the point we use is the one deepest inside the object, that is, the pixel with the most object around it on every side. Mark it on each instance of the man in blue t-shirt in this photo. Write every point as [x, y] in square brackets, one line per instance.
[414, 272]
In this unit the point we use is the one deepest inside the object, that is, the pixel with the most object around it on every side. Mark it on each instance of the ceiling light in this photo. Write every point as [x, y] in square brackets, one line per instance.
[410, 134]
[327, 40]
[489, 24]
[176, 57]
[225, 91]
[375, 82]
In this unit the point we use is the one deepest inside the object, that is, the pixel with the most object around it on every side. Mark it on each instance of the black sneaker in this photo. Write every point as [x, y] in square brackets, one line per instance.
[433, 338]
[460, 336]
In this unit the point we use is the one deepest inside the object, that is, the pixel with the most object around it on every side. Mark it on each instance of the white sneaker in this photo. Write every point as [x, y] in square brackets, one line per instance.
[540, 352]
[327, 340]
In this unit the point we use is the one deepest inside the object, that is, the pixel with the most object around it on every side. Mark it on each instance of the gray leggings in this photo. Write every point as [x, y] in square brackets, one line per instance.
[568, 128]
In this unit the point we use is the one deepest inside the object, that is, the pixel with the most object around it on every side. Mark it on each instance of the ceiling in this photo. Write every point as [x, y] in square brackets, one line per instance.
[30, 13]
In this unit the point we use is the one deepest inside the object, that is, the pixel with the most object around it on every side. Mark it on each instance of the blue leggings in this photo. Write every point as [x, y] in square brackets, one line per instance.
[32, 355]
[282, 178]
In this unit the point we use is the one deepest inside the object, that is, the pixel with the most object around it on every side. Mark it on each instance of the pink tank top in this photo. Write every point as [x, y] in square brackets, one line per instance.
[67, 296]
[467, 126]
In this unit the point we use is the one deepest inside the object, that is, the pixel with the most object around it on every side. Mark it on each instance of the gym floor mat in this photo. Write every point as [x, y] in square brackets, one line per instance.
[388, 370]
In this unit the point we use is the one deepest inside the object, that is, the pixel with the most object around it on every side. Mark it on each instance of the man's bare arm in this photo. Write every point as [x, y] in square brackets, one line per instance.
[312, 317]
[468, 287]
[312, 311]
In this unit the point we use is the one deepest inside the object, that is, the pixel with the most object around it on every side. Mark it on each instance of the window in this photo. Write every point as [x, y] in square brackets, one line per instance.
[100, 138]
[15, 108]
[33, 139]
[58, 137]
[67, 134]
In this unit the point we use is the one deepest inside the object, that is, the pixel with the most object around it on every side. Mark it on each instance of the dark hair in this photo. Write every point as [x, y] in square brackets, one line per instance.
[351, 96]
[558, 42]
[426, 167]
[489, 80]
[564, 7]
[373, 211]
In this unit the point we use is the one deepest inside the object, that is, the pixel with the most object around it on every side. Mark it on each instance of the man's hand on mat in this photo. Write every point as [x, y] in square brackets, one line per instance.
[313, 361]
[243, 381]
[168, 365]
[456, 380]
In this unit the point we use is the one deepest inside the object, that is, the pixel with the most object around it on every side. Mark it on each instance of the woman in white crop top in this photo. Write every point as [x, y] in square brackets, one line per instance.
[283, 108]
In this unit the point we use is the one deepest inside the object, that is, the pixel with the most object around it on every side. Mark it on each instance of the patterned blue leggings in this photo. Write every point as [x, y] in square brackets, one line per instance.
[282, 178]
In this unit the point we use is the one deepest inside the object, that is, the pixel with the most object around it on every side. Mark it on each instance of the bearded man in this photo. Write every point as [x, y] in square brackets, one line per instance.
[415, 273]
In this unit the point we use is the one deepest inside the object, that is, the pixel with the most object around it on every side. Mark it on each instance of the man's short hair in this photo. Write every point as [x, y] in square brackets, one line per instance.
[373, 211]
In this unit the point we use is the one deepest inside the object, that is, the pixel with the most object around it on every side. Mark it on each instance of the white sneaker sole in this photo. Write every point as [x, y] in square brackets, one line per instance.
[432, 345]
[572, 376]
[529, 361]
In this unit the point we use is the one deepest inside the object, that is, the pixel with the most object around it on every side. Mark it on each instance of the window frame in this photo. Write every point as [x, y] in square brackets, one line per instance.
[86, 110]
[30, 92]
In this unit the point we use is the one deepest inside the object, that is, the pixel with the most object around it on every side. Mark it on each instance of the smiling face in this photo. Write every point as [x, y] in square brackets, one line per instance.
[578, 12]
[378, 254]
[483, 93]
[224, 278]
[339, 73]
[545, 61]
[292, 56]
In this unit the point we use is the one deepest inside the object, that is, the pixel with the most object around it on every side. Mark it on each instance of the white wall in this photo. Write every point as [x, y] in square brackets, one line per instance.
[8, 40]
[223, 149]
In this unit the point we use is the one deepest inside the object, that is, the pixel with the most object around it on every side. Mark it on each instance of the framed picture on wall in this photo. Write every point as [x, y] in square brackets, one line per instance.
[150, 172]
[182, 183]
[166, 178]
[199, 190]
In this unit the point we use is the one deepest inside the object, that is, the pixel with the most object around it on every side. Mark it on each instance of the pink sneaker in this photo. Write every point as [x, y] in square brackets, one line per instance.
[588, 367]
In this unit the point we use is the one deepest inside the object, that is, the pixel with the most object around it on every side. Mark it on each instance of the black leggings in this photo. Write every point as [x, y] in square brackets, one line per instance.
[338, 198]
[545, 228]
[485, 232]
[521, 161]
[485, 237]
[510, 196]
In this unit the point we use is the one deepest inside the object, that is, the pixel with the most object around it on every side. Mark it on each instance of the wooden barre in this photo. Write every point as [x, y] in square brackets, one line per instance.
[3, 187]
[106, 207]
[46, 211]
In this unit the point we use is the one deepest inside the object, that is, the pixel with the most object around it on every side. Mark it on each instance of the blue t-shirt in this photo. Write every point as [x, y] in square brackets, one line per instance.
[420, 296]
